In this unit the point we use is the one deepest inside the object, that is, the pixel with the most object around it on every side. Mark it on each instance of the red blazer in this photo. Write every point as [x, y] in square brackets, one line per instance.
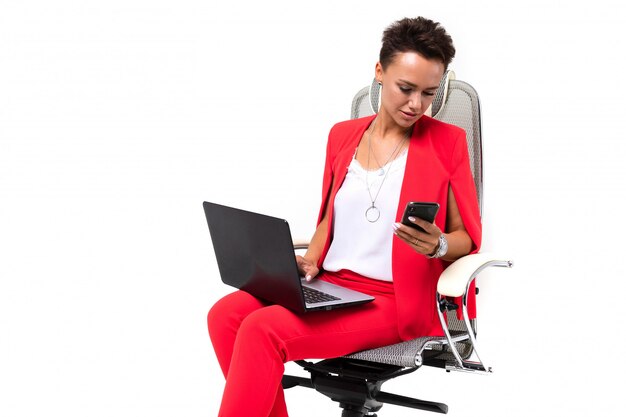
[437, 158]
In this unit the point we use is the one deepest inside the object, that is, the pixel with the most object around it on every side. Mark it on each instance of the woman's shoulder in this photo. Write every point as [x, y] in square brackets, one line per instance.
[352, 125]
[348, 132]
[444, 137]
[440, 127]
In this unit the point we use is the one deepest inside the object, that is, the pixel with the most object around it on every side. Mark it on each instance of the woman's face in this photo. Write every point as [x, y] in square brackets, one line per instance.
[409, 85]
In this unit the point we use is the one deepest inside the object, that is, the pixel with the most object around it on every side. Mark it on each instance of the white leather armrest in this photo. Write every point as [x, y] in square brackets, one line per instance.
[454, 280]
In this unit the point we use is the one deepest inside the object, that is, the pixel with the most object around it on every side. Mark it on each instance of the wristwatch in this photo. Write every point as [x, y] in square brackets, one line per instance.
[442, 248]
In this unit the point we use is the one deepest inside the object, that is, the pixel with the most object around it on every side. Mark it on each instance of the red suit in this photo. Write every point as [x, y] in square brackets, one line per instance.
[252, 340]
[437, 159]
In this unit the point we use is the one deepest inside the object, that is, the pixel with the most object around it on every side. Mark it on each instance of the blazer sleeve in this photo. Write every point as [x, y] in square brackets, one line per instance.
[464, 189]
[327, 179]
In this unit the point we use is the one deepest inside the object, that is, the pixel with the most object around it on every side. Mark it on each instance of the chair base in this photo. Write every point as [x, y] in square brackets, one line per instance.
[356, 386]
[353, 413]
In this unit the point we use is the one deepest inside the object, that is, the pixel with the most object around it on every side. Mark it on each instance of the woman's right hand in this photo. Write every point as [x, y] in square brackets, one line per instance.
[307, 268]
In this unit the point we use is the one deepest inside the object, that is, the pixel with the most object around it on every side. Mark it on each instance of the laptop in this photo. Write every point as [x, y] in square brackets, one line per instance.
[255, 253]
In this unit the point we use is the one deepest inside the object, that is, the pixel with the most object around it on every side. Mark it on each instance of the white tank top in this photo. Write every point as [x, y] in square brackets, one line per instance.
[359, 245]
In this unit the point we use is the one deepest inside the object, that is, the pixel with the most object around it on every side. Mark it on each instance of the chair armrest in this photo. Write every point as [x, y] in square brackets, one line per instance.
[300, 244]
[455, 280]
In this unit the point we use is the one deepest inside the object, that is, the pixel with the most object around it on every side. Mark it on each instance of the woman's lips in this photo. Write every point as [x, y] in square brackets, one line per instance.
[408, 115]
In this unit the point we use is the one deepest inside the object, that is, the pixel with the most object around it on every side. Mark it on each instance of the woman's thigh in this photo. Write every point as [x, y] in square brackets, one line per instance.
[230, 310]
[323, 334]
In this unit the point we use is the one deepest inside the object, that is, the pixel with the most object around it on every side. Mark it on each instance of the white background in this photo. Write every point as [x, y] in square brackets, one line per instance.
[118, 118]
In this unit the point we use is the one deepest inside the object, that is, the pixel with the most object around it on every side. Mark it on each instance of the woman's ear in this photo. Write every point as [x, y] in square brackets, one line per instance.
[378, 73]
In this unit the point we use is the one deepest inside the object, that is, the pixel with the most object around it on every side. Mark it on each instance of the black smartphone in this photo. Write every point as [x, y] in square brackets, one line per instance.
[425, 211]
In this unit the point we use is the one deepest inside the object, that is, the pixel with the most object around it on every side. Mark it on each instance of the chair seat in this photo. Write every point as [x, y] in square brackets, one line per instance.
[407, 354]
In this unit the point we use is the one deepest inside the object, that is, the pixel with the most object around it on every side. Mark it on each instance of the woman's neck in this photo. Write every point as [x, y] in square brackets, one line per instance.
[387, 129]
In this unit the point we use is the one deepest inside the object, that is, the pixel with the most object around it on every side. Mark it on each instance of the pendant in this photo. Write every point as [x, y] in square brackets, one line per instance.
[381, 172]
[372, 214]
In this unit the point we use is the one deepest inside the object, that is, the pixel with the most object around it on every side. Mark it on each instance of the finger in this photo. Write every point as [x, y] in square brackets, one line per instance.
[421, 242]
[409, 233]
[303, 262]
[312, 273]
[409, 237]
[430, 228]
[303, 266]
[306, 268]
[410, 230]
[424, 241]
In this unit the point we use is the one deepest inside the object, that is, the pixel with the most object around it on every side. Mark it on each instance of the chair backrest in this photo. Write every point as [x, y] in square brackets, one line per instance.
[456, 102]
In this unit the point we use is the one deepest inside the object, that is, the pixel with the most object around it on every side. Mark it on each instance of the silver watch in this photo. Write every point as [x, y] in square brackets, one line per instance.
[442, 248]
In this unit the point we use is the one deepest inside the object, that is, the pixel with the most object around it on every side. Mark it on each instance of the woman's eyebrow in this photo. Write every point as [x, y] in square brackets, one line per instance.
[415, 85]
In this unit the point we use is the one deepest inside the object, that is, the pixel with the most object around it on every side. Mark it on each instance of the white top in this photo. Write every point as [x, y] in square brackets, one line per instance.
[359, 245]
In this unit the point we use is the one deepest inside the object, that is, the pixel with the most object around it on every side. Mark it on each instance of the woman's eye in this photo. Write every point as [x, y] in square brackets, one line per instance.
[405, 89]
[426, 93]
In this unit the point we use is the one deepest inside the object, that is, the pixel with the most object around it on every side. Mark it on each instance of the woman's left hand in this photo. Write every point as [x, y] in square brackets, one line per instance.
[422, 242]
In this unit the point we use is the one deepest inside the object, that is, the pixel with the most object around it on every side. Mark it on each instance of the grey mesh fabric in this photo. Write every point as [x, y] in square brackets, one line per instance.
[374, 97]
[405, 353]
[438, 100]
[401, 354]
[461, 108]
[361, 104]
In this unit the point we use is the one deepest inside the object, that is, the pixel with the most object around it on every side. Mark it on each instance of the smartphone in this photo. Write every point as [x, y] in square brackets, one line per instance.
[425, 211]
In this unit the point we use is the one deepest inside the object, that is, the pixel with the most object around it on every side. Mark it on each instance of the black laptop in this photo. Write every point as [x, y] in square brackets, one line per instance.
[255, 253]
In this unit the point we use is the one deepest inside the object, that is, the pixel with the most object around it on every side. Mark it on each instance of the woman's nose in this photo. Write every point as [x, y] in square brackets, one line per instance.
[415, 102]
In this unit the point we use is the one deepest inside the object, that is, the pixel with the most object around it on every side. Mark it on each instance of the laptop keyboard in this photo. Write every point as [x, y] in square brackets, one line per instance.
[312, 296]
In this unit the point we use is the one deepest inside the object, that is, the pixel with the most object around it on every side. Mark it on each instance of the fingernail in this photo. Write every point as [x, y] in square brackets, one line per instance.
[396, 226]
[412, 218]
[308, 277]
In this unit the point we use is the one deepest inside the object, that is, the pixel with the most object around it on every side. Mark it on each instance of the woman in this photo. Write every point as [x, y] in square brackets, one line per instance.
[374, 166]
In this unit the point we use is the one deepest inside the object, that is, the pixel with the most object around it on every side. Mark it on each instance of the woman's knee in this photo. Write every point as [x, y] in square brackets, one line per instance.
[216, 315]
[266, 326]
[231, 310]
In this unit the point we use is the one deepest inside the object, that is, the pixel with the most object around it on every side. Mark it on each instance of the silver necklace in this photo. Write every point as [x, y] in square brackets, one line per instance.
[372, 214]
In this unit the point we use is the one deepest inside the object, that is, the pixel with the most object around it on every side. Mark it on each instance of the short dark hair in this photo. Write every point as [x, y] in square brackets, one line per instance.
[420, 35]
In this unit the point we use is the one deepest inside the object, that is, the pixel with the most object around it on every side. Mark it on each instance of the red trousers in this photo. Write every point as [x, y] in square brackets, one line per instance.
[253, 340]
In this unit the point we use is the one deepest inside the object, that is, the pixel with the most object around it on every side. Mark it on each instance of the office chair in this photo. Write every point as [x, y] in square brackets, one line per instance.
[355, 381]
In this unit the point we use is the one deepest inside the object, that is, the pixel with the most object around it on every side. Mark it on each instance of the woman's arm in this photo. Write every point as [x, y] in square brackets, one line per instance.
[427, 243]
[459, 241]
[307, 264]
